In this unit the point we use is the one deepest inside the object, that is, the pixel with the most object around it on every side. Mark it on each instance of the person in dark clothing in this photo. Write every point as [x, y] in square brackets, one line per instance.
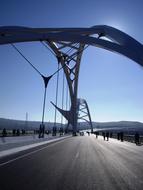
[14, 132]
[23, 131]
[54, 131]
[103, 134]
[4, 132]
[107, 136]
[61, 131]
[122, 136]
[18, 132]
[118, 136]
[40, 131]
[111, 134]
[137, 138]
[96, 133]
[88, 133]
[43, 130]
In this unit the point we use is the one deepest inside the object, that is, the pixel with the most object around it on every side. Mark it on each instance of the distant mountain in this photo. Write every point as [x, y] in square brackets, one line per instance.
[19, 124]
[124, 124]
[112, 125]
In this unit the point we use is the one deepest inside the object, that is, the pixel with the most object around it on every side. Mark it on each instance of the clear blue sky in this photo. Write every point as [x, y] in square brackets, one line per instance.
[111, 83]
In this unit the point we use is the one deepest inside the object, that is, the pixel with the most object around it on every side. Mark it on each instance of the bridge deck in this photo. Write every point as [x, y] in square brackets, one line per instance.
[76, 163]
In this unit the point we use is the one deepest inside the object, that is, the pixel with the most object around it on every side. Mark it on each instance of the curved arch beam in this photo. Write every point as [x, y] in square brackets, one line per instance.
[119, 42]
[83, 103]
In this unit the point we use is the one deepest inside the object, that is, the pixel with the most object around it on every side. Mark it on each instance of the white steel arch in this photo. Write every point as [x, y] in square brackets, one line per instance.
[120, 42]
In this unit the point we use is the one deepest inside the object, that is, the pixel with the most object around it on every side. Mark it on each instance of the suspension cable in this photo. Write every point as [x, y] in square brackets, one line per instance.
[26, 59]
[57, 88]
[63, 93]
[33, 65]
[67, 106]
[72, 57]
[67, 90]
[46, 80]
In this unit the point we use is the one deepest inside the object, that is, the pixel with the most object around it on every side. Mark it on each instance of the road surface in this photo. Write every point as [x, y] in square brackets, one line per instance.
[76, 163]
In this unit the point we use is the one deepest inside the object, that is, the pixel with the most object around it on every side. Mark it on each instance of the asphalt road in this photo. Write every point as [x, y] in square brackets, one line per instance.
[76, 163]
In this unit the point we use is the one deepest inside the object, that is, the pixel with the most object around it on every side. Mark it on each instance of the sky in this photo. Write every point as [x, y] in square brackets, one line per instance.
[110, 83]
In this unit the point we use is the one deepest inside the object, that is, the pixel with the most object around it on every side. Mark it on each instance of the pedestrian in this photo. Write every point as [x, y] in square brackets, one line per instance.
[118, 136]
[14, 132]
[107, 136]
[18, 132]
[96, 133]
[4, 132]
[137, 138]
[122, 136]
[103, 134]
[111, 134]
[40, 131]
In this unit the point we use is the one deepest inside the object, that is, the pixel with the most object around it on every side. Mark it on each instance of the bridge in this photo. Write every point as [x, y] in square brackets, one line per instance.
[68, 45]
[80, 162]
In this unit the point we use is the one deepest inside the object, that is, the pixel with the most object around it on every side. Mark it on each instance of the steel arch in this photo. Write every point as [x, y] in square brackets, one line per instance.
[120, 42]
[83, 112]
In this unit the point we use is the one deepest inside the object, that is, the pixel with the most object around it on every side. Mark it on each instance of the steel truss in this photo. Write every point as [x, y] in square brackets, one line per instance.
[83, 112]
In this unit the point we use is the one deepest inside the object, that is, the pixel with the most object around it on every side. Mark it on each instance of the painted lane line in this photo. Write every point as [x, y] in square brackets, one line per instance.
[77, 155]
[19, 149]
[30, 153]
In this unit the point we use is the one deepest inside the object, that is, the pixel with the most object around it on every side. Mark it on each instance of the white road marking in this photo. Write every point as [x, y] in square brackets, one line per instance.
[27, 154]
[77, 155]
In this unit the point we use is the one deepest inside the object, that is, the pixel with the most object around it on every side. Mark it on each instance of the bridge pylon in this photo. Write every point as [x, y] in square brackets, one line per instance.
[69, 56]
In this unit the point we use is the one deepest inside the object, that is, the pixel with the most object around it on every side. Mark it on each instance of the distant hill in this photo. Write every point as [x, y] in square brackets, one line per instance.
[118, 124]
[19, 124]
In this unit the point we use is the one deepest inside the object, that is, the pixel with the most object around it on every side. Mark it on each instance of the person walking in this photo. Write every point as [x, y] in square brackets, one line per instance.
[107, 136]
[103, 134]
[137, 138]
